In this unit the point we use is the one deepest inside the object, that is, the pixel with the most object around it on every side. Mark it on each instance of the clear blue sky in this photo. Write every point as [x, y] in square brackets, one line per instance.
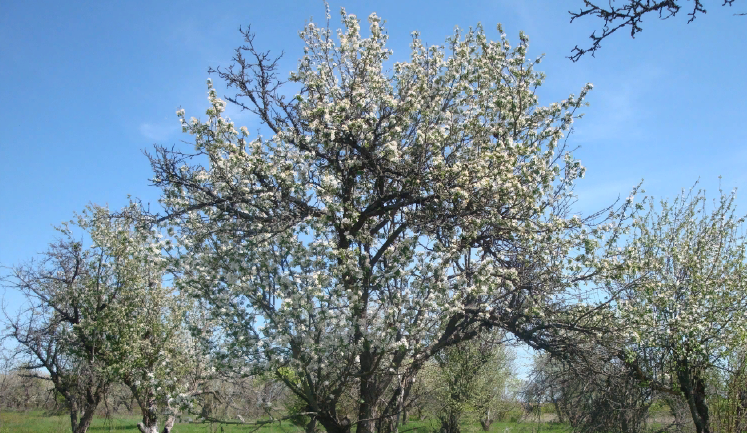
[86, 86]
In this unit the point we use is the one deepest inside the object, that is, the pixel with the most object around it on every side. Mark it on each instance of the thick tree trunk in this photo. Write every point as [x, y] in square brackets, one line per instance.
[147, 429]
[368, 396]
[73, 415]
[332, 425]
[146, 399]
[450, 424]
[366, 410]
[388, 419]
[741, 410]
[80, 421]
[85, 420]
[693, 388]
[151, 425]
[700, 403]
[558, 411]
[486, 421]
[148, 426]
[400, 408]
[169, 424]
[557, 406]
[148, 408]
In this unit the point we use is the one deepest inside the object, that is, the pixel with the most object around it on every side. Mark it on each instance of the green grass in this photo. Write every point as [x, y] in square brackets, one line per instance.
[496, 427]
[39, 422]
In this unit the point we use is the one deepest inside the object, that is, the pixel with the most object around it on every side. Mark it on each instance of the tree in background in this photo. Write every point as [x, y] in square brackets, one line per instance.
[630, 15]
[151, 348]
[592, 395]
[683, 296]
[42, 343]
[729, 401]
[102, 314]
[471, 378]
[64, 326]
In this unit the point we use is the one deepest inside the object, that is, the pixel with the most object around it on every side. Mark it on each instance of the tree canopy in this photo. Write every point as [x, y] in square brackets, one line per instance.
[392, 213]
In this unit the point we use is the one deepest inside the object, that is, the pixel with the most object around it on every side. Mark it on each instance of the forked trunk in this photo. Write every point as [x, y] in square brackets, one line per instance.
[149, 410]
[151, 426]
[450, 424]
[81, 425]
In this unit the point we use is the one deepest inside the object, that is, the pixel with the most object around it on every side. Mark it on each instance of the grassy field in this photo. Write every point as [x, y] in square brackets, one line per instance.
[38, 422]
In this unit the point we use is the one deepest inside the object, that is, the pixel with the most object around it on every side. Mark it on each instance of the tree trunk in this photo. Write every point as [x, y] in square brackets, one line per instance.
[486, 420]
[73, 415]
[146, 399]
[450, 424]
[149, 410]
[557, 406]
[700, 403]
[169, 424]
[388, 419]
[81, 425]
[149, 426]
[311, 426]
[368, 397]
[85, 420]
[332, 425]
[693, 388]
[741, 410]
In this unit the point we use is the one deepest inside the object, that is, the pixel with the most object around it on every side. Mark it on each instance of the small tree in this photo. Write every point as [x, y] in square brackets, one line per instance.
[471, 379]
[497, 386]
[63, 329]
[102, 314]
[150, 347]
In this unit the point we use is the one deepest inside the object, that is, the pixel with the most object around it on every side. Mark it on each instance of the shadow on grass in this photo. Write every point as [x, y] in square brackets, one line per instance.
[127, 426]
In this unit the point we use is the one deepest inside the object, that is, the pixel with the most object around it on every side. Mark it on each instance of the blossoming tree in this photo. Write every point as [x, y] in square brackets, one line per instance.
[47, 330]
[684, 296]
[390, 214]
[149, 345]
[106, 308]
[470, 379]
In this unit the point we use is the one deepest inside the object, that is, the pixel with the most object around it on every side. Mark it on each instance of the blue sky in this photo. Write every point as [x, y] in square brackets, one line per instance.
[86, 86]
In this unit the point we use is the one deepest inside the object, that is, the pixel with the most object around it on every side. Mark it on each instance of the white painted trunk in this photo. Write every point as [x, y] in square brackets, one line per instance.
[147, 429]
[168, 426]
